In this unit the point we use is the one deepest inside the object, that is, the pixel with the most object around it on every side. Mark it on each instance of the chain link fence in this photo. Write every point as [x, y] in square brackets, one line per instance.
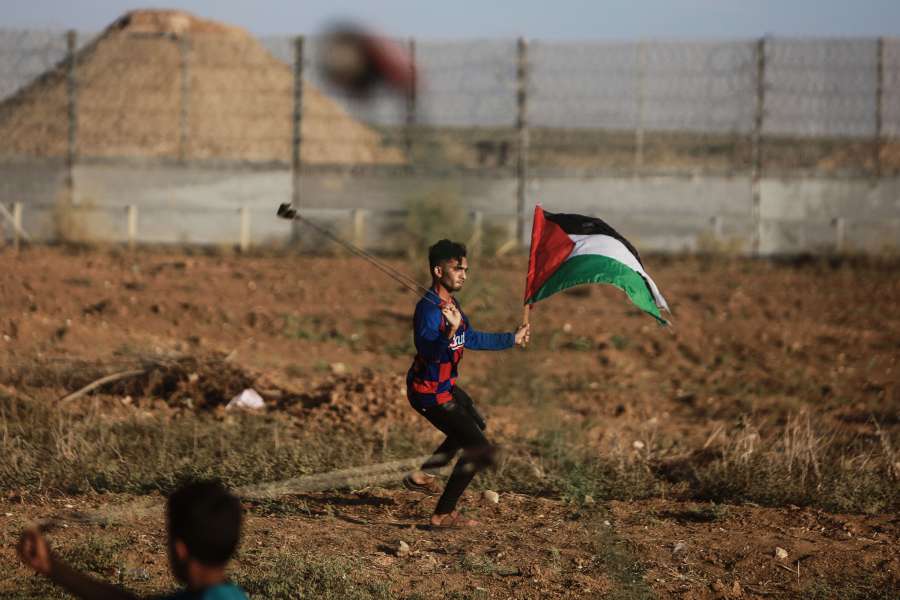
[215, 120]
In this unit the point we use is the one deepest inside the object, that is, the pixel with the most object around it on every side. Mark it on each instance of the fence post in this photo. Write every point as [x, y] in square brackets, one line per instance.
[132, 225]
[756, 142]
[359, 227]
[641, 90]
[245, 229]
[522, 129]
[411, 101]
[716, 226]
[72, 115]
[475, 243]
[17, 224]
[297, 137]
[879, 102]
[184, 49]
[840, 231]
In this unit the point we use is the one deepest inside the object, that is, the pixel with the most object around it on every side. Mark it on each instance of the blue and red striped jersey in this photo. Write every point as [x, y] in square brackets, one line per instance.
[433, 373]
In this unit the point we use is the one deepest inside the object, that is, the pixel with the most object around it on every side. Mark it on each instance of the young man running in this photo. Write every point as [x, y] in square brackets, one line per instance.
[442, 331]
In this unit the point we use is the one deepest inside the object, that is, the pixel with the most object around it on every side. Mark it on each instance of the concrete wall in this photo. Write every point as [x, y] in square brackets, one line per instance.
[800, 215]
[662, 213]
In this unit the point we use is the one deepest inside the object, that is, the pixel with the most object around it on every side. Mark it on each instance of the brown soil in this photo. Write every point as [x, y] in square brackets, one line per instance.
[733, 556]
[130, 101]
[750, 337]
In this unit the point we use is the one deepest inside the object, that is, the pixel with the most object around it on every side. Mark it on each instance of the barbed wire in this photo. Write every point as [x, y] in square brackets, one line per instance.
[664, 105]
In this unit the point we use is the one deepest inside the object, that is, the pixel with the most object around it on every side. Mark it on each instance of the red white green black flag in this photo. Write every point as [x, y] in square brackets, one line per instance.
[568, 250]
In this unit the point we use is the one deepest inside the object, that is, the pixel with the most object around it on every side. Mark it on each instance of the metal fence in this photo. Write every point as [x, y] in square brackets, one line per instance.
[88, 119]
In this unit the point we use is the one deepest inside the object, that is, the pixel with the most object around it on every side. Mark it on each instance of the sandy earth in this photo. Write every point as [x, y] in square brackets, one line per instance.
[750, 337]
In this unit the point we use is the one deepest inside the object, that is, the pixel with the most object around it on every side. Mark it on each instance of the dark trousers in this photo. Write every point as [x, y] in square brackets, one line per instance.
[457, 420]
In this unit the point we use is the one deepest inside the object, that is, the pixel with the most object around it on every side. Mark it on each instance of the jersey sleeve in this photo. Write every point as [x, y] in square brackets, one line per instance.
[430, 342]
[480, 340]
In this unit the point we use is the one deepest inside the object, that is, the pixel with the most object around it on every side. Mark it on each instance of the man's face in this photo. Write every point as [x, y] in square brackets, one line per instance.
[452, 273]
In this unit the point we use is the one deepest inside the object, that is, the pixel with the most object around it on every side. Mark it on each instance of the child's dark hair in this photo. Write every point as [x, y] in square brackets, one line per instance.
[445, 250]
[207, 518]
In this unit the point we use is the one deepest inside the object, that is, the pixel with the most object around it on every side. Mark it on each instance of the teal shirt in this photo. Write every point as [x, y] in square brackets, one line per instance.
[224, 591]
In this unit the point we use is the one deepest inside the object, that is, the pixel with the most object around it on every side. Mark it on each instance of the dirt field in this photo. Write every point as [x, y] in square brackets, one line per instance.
[638, 462]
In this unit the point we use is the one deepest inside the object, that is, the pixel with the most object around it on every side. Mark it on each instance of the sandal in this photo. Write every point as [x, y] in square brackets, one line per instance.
[454, 520]
[431, 488]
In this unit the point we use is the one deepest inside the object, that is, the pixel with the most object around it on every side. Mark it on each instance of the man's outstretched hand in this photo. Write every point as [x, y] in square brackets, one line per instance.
[523, 334]
[36, 554]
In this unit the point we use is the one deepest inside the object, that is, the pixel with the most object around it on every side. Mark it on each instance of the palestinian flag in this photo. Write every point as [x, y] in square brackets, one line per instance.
[569, 250]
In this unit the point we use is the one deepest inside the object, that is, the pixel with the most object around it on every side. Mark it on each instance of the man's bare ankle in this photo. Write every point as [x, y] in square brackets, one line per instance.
[421, 477]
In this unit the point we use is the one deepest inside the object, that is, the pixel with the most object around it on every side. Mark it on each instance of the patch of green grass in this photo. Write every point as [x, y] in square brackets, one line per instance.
[277, 507]
[796, 462]
[868, 587]
[792, 460]
[619, 342]
[558, 463]
[483, 565]
[759, 480]
[696, 514]
[99, 555]
[800, 462]
[613, 557]
[579, 344]
[574, 471]
[50, 451]
[466, 595]
[290, 577]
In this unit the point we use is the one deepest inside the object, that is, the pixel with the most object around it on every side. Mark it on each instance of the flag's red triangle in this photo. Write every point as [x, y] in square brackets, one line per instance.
[550, 247]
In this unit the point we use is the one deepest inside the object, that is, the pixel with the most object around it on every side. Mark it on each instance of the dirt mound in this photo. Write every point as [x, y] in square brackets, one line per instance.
[209, 382]
[199, 383]
[353, 400]
[233, 101]
[336, 401]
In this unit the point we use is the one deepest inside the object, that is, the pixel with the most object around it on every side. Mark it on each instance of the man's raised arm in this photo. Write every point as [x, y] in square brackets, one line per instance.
[36, 554]
[430, 342]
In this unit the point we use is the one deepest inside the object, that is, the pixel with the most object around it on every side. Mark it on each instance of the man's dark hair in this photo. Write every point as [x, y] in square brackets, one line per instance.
[207, 518]
[445, 250]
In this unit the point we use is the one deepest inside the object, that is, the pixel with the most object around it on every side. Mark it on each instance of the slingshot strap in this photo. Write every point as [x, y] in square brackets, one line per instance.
[286, 211]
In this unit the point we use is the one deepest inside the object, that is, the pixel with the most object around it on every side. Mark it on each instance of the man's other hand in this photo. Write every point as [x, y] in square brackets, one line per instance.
[34, 551]
[523, 334]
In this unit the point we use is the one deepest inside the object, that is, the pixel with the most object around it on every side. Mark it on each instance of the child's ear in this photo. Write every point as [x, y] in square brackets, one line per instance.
[181, 550]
